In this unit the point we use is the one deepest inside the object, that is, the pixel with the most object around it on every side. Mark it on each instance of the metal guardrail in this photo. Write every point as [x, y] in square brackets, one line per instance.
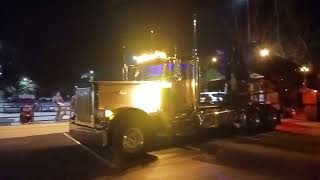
[50, 113]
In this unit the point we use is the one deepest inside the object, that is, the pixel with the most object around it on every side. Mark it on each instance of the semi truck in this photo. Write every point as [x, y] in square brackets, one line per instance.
[163, 98]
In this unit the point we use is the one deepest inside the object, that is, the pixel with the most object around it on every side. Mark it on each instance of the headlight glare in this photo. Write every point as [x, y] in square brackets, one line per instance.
[108, 113]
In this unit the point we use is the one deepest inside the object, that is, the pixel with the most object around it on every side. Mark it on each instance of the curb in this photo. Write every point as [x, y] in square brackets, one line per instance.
[292, 124]
[301, 124]
[302, 129]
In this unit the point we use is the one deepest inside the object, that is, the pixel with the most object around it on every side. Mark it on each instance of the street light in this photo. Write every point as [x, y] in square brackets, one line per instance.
[27, 85]
[88, 75]
[214, 59]
[264, 52]
[304, 70]
[25, 79]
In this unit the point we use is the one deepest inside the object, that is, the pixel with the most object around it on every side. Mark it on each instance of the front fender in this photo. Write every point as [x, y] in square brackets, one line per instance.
[125, 111]
[130, 115]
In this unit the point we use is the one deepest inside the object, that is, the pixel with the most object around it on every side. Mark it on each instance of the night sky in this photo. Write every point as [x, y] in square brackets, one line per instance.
[53, 42]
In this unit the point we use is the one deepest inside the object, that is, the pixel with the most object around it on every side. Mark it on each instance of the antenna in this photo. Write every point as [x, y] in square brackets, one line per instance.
[175, 51]
[151, 38]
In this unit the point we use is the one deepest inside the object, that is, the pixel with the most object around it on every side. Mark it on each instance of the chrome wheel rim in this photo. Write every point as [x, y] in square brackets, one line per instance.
[133, 140]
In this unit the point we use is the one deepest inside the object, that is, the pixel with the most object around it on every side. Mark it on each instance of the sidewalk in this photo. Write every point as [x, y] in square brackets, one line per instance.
[299, 125]
[33, 129]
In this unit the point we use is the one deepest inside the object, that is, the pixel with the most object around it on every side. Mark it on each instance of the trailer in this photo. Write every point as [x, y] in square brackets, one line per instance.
[162, 99]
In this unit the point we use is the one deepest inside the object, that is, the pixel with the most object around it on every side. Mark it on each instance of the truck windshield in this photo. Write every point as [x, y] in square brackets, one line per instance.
[165, 71]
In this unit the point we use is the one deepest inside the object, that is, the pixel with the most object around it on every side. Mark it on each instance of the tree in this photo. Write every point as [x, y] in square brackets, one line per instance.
[27, 86]
[296, 33]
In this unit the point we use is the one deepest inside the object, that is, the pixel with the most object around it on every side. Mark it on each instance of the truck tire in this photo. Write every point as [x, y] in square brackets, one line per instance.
[130, 135]
[253, 122]
[270, 118]
[250, 121]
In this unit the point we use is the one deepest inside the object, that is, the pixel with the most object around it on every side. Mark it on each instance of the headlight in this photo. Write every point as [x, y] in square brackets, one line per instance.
[108, 114]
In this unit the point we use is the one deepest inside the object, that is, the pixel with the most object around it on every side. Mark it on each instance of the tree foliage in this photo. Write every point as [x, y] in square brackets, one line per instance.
[27, 86]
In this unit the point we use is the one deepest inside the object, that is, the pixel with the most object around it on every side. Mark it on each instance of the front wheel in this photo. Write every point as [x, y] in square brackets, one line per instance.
[129, 139]
[133, 141]
[128, 142]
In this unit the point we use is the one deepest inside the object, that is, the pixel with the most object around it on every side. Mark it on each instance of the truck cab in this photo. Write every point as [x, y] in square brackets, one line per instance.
[163, 98]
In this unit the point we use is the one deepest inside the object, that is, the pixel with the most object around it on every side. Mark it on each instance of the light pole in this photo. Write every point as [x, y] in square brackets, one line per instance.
[88, 75]
[0, 67]
[195, 60]
[304, 70]
[249, 20]
[195, 45]
[125, 66]
[91, 75]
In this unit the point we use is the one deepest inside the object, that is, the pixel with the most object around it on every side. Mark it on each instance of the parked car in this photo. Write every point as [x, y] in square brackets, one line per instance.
[14, 105]
[45, 104]
[212, 98]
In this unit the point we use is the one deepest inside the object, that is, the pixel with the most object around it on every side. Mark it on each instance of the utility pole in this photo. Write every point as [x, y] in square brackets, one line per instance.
[276, 12]
[125, 66]
[195, 62]
[1, 73]
[195, 48]
[277, 17]
[249, 20]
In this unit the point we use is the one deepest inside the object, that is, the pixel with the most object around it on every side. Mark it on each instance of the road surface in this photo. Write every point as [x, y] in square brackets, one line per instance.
[273, 155]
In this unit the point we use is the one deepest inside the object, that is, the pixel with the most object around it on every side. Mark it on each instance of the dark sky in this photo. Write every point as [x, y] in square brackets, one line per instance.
[54, 41]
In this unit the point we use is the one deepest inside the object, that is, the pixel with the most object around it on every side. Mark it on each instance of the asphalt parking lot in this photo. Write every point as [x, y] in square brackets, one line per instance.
[273, 155]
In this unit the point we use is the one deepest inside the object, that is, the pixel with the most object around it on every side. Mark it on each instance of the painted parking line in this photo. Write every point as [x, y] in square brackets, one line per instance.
[192, 148]
[96, 155]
